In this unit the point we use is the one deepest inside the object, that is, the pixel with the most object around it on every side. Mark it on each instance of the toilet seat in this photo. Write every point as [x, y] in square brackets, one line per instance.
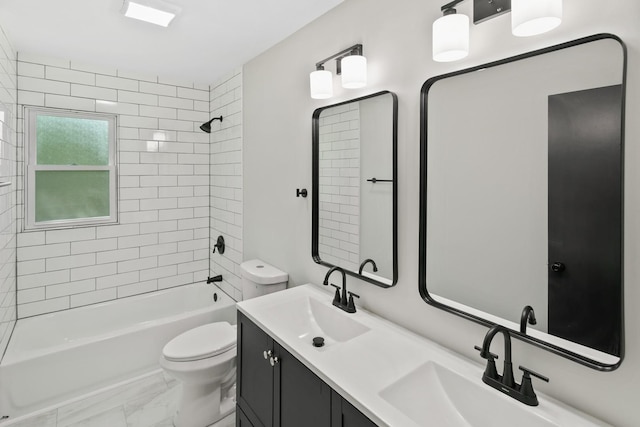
[203, 342]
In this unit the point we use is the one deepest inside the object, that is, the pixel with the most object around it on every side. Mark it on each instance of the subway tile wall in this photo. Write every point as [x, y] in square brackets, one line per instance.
[162, 239]
[226, 181]
[8, 209]
[339, 196]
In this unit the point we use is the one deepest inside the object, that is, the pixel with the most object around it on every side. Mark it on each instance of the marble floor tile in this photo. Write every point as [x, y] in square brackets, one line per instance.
[47, 419]
[112, 418]
[166, 423]
[150, 401]
[112, 398]
[150, 410]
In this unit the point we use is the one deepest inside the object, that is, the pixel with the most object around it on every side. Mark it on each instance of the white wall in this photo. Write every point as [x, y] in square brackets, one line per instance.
[397, 42]
[376, 213]
[8, 208]
[226, 181]
[162, 238]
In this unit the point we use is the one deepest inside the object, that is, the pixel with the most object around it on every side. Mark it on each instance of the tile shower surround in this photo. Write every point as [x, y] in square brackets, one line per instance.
[8, 208]
[339, 211]
[226, 181]
[162, 239]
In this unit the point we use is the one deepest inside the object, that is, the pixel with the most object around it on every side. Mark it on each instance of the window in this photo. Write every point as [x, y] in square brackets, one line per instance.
[71, 169]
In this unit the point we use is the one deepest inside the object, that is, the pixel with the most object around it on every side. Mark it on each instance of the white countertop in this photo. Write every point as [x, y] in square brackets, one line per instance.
[365, 365]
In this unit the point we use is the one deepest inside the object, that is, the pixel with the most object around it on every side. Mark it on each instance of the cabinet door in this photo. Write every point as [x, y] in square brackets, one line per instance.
[254, 374]
[344, 414]
[241, 418]
[301, 398]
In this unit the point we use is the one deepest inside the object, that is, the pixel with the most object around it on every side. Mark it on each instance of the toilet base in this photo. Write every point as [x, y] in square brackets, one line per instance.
[197, 406]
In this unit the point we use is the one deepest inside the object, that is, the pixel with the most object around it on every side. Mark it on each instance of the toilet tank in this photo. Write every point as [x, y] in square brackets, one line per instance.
[260, 278]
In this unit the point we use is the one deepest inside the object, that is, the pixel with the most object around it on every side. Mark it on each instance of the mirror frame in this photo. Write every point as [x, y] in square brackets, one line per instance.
[422, 271]
[315, 220]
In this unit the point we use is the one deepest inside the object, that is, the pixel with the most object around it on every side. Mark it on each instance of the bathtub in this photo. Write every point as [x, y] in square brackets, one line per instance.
[55, 357]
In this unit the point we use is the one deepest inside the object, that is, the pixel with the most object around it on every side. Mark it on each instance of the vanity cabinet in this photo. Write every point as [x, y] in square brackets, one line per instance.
[276, 390]
[344, 414]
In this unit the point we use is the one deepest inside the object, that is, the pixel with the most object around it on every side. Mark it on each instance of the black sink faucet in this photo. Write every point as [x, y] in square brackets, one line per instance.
[528, 315]
[507, 371]
[365, 262]
[505, 383]
[340, 301]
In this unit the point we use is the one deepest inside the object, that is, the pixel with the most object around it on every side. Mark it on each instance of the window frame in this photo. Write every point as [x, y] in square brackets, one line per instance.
[31, 167]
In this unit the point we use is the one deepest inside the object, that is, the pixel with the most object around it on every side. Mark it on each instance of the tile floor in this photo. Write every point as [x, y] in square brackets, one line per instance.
[149, 401]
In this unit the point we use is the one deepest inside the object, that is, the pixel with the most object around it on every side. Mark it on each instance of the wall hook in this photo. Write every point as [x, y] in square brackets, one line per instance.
[220, 245]
[301, 192]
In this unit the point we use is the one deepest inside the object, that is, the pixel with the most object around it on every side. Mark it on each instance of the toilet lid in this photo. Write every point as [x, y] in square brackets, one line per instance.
[202, 342]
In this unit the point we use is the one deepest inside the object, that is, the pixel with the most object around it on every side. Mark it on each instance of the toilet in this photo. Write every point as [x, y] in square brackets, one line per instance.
[203, 359]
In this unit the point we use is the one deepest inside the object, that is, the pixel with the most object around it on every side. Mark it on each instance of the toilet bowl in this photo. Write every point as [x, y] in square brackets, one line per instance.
[203, 359]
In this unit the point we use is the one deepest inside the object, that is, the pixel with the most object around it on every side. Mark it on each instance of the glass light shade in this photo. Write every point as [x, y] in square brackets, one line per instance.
[321, 84]
[532, 17]
[354, 72]
[450, 38]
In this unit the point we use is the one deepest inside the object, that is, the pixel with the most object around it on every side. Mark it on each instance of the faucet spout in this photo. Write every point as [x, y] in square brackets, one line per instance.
[365, 262]
[528, 315]
[507, 373]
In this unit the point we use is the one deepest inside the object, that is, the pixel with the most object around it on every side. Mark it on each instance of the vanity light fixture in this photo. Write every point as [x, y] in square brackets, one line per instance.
[450, 35]
[528, 18]
[350, 63]
[153, 11]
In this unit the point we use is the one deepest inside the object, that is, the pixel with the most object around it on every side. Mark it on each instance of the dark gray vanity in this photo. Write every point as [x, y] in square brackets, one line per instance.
[276, 389]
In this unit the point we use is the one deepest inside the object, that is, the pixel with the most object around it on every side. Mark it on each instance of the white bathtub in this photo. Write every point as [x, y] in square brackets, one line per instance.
[58, 356]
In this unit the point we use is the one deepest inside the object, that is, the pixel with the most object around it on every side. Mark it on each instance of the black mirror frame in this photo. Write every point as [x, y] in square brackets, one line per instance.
[315, 221]
[422, 270]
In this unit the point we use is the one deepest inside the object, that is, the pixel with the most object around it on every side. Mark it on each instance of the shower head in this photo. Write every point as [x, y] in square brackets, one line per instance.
[206, 127]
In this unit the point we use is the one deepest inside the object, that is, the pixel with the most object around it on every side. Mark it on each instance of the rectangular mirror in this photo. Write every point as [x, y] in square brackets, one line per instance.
[354, 220]
[522, 196]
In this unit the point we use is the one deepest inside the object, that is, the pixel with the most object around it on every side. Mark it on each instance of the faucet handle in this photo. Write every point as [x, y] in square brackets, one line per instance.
[490, 370]
[492, 356]
[526, 388]
[528, 371]
[336, 297]
[351, 305]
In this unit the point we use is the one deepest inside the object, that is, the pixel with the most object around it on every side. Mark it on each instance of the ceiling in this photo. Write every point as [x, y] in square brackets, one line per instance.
[206, 40]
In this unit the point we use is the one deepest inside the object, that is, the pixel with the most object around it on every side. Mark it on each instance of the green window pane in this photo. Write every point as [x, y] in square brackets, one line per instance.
[71, 194]
[72, 141]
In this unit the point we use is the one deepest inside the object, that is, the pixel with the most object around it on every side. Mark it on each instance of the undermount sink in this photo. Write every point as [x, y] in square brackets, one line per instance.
[434, 395]
[307, 317]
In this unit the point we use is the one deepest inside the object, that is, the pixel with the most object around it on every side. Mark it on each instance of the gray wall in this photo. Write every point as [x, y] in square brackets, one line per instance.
[397, 42]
